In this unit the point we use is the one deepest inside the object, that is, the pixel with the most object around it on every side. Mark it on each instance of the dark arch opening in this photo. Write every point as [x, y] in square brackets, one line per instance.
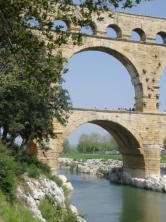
[138, 35]
[161, 38]
[113, 31]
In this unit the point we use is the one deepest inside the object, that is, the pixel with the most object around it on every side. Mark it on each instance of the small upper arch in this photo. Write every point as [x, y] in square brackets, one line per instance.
[114, 31]
[161, 38]
[61, 25]
[138, 35]
[31, 21]
[90, 29]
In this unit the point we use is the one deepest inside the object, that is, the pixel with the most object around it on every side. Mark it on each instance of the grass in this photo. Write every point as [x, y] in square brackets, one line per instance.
[15, 212]
[13, 164]
[163, 159]
[56, 213]
[85, 156]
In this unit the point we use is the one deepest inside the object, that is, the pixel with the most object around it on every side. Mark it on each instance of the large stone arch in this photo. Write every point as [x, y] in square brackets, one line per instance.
[130, 143]
[122, 57]
[115, 126]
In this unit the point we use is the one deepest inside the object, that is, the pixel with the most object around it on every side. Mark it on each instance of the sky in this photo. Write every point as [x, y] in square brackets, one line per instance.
[98, 80]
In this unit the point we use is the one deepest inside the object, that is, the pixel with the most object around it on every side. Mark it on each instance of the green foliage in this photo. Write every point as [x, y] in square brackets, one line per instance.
[9, 170]
[31, 92]
[14, 212]
[163, 159]
[85, 156]
[89, 143]
[67, 148]
[13, 164]
[31, 165]
[29, 103]
[56, 213]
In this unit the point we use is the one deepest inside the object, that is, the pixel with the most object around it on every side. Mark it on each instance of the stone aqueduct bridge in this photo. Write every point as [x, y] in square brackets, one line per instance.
[140, 134]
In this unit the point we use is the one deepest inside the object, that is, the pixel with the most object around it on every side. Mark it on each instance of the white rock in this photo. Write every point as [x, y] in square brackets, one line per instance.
[73, 209]
[62, 178]
[69, 186]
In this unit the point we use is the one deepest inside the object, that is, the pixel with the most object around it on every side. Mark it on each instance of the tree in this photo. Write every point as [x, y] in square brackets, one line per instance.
[31, 90]
[66, 146]
[93, 142]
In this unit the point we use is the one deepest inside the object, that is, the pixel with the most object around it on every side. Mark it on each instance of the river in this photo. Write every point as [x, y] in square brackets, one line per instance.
[102, 201]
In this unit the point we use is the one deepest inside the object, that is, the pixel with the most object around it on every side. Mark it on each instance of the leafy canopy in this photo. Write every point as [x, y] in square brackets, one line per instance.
[31, 92]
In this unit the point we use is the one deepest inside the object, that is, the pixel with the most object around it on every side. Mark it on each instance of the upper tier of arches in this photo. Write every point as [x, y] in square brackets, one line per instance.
[115, 31]
[122, 25]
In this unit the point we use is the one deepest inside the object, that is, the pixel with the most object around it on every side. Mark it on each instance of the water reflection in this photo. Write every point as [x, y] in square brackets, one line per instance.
[141, 206]
[105, 202]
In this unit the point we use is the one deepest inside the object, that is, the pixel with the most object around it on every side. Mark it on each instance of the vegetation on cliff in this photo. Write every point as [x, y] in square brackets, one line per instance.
[15, 166]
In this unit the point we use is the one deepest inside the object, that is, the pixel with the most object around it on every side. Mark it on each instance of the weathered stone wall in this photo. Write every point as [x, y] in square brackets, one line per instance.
[140, 137]
[144, 59]
[140, 134]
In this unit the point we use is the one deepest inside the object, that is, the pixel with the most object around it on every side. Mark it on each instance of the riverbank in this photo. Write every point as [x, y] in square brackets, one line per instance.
[99, 167]
[154, 183]
[113, 170]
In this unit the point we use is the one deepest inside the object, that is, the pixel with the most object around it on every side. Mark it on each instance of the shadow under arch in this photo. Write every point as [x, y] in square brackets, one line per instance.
[136, 82]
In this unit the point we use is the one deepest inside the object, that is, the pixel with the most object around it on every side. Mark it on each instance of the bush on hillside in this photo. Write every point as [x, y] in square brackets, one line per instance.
[9, 170]
[14, 163]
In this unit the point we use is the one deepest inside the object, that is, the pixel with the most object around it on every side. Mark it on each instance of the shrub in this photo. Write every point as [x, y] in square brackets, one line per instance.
[56, 213]
[9, 170]
[15, 212]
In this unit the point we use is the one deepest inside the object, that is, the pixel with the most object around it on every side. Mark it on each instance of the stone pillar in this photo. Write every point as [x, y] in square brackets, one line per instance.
[50, 156]
[133, 165]
[152, 162]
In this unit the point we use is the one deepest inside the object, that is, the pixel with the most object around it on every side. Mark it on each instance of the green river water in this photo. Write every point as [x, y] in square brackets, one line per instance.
[102, 201]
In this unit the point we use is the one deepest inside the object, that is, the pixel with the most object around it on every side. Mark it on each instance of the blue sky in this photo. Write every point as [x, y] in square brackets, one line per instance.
[98, 80]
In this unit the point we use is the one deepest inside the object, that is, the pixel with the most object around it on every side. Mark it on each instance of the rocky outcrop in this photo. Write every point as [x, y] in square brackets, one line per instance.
[163, 165]
[66, 183]
[154, 183]
[98, 167]
[38, 189]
